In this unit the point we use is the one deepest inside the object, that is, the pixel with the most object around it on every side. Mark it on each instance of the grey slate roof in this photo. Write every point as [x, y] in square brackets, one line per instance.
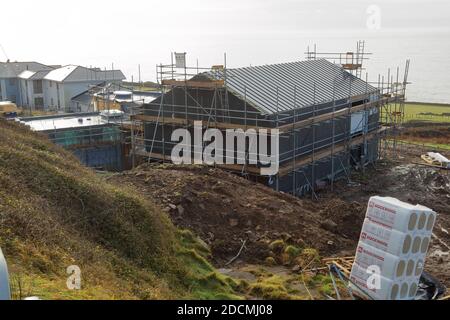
[83, 98]
[74, 73]
[13, 69]
[39, 75]
[259, 84]
[111, 75]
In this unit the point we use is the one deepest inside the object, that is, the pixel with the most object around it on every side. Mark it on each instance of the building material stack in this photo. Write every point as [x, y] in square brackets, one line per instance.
[394, 242]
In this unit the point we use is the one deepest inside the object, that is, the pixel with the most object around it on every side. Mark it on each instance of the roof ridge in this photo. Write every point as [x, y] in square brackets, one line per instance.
[259, 83]
[282, 63]
[63, 67]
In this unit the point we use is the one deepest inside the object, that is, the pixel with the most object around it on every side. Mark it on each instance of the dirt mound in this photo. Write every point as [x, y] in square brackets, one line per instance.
[225, 210]
[343, 216]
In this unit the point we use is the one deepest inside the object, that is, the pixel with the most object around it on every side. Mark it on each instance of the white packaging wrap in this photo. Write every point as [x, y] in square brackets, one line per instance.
[383, 288]
[394, 241]
[388, 240]
[395, 214]
[391, 267]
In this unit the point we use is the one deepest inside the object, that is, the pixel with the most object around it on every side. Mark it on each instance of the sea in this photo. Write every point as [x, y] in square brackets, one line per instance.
[428, 52]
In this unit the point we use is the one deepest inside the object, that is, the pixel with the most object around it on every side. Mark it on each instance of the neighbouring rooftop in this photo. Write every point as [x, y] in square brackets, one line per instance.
[33, 75]
[137, 97]
[73, 73]
[14, 69]
[60, 122]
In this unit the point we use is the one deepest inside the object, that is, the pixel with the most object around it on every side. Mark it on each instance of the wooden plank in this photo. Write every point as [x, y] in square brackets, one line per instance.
[344, 269]
[283, 129]
[211, 84]
[180, 121]
[167, 120]
[342, 112]
[324, 153]
[328, 116]
[142, 152]
[233, 167]
[299, 161]
[351, 66]
[239, 167]
[350, 259]
[430, 165]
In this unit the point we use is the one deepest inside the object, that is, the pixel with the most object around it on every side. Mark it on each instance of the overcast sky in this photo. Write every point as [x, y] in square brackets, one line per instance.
[132, 32]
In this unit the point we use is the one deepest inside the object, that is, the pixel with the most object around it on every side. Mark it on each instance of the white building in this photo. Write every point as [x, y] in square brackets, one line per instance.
[53, 90]
[31, 89]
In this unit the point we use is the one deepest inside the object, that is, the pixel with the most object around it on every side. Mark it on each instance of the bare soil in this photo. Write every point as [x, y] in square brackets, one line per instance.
[224, 209]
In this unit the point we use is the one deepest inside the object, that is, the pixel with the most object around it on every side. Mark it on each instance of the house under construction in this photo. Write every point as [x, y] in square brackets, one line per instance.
[329, 119]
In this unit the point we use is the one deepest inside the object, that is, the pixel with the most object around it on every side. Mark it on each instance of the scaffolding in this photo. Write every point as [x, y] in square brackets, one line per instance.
[301, 161]
[352, 61]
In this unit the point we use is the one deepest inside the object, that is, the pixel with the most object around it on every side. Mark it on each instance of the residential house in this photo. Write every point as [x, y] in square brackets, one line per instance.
[54, 90]
[32, 89]
[9, 78]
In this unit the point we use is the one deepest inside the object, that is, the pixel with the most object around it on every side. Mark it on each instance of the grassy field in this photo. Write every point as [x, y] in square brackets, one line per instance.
[427, 112]
[145, 86]
[434, 135]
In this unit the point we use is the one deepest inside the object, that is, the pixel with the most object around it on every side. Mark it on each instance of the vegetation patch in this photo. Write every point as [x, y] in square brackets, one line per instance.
[55, 213]
[427, 112]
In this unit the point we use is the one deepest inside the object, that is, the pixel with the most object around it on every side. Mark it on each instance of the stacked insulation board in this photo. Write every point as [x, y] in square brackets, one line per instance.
[393, 246]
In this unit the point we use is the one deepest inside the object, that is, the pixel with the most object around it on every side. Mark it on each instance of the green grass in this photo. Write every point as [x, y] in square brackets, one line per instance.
[203, 281]
[145, 86]
[427, 112]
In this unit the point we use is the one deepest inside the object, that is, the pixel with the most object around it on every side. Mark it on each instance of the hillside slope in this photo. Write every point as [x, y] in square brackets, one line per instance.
[55, 213]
